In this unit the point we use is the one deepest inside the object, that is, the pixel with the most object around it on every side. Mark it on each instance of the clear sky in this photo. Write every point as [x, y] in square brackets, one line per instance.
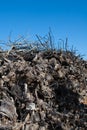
[67, 18]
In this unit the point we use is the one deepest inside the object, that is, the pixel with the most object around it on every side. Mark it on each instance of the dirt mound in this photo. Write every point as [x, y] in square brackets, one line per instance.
[42, 90]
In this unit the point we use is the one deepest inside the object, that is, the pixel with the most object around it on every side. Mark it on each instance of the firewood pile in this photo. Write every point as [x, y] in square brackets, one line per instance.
[42, 90]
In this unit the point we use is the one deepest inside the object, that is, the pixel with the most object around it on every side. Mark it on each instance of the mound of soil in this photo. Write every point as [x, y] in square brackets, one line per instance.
[42, 90]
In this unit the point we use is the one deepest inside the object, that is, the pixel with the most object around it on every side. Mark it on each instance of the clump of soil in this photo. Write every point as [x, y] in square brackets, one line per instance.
[42, 90]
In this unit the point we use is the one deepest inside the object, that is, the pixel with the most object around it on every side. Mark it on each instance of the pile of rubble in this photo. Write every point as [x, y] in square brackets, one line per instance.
[42, 90]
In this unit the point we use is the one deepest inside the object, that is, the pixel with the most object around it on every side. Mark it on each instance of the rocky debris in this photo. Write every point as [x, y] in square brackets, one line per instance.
[43, 90]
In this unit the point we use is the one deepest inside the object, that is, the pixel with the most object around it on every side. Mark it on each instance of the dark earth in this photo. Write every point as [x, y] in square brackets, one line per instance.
[42, 90]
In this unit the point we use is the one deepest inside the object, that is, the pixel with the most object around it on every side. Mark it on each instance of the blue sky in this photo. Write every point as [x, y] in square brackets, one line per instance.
[67, 18]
